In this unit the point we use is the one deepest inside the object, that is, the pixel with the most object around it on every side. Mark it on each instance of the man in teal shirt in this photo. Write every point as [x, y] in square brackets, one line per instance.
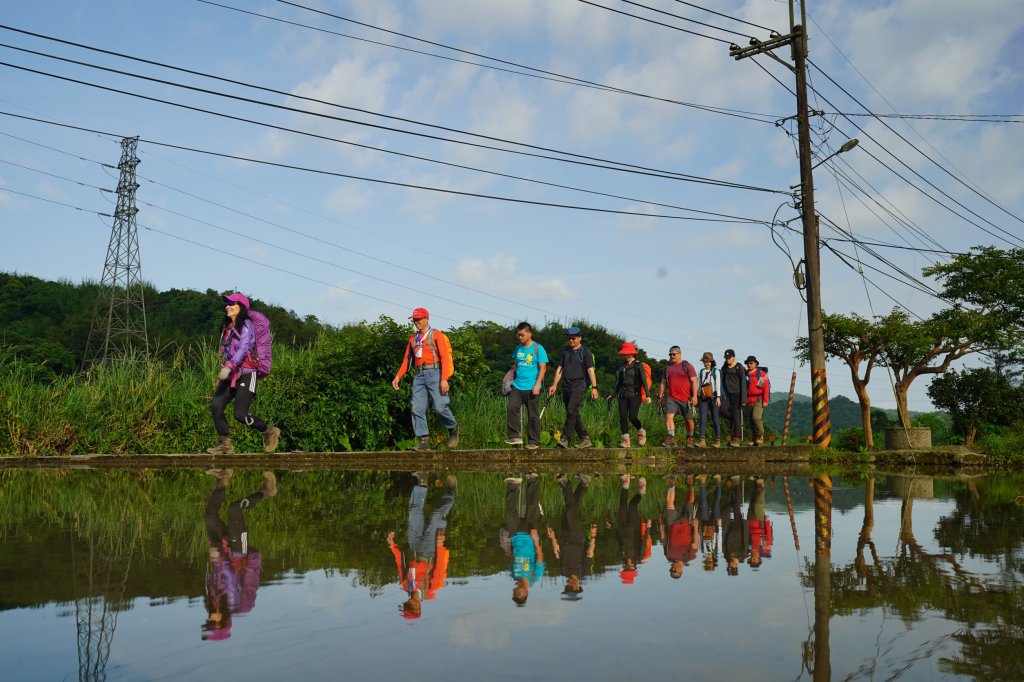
[531, 363]
[519, 537]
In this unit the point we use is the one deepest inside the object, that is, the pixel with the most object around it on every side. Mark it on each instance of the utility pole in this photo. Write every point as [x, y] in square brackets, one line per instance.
[119, 318]
[821, 427]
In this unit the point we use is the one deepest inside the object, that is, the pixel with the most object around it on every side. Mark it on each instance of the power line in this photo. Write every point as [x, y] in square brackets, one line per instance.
[726, 16]
[682, 18]
[963, 118]
[539, 73]
[649, 21]
[625, 167]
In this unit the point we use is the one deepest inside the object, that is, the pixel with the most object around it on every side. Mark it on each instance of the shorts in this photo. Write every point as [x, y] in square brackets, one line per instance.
[673, 406]
[684, 513]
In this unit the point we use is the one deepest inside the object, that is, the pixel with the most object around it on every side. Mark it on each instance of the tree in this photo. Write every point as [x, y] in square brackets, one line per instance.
[975, 397]
[856, 341]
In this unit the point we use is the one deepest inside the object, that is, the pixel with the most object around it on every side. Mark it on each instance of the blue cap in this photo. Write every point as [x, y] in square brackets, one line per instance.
[573, 331]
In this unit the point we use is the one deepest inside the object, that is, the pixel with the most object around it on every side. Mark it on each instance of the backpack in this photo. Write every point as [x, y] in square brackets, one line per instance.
[579, 354]
[762, 378]
[264, 342]
[647, 375]
[433, 349]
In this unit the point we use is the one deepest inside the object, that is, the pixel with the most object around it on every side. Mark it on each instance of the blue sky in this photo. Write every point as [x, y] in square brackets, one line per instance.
[346, 249]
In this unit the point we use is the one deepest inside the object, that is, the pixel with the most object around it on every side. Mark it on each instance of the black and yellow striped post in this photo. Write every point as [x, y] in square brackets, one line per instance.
[822, 577]
[821, 430]
[823, 515]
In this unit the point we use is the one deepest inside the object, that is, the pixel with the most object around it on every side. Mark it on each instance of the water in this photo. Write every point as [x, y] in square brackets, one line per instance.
[108, 575]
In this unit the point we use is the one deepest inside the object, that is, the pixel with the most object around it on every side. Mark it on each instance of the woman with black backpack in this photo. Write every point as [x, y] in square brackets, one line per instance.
[237, 377]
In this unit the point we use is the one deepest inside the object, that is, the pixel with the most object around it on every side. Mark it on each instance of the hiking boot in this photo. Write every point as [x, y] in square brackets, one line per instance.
[641, 437]
[532, 446]
[562, 443]
[269, 484]
[452, 484]
[421, 477]
[584, 479]
[702, 479]
[453, 438]
[702, 443]
[689, 440]
[224, 446]
[759, 441]
[717, 443]
[585, 443]
[670, 481]
[624, 443]
[717, 478]
[641, 486]
[669, 442]
[223, 476]
[735, 443]
[422, 443]
[624, 479]
[270, 438]
[513, 441]
[514, 480]
[561, 478]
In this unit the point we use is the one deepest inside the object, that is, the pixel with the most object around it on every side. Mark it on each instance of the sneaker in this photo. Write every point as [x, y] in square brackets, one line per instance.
[562, 443]
[670, 481]
[669, 442]
[269, 484]
[702, 443]
[641, 437]
[422, 443]
[717, 443]
[453, 438]
[759, 441]
[532, 446]
[702, 479]
[717, 478]
[514, 480]
[641, 486]
[452, 484]
[624, 479]
[223, 476]
[421, 477]
[561, 478]
[224, 446]
[584, 479]
[585, 443]
[270, 438]
[513, 441]
[735, 444]
[624, 443]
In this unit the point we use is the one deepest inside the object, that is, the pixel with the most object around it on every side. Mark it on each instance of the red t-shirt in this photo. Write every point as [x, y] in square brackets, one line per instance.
[678, 379]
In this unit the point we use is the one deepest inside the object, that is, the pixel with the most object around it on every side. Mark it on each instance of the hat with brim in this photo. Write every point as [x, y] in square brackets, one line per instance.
[751, 358]
[628, 348]
[236, 297]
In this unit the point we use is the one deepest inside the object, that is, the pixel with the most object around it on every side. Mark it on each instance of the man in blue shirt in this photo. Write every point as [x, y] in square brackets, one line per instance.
[519, 537]
[531, 363]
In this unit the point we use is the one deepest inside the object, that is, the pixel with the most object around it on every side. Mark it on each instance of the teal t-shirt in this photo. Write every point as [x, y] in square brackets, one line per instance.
[528, 360]
[524, 559]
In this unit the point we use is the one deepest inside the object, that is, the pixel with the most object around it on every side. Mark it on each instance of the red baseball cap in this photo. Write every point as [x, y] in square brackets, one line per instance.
[419, 313]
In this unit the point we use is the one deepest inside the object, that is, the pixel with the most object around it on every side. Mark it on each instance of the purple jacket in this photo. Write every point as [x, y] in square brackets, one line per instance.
[237, 348]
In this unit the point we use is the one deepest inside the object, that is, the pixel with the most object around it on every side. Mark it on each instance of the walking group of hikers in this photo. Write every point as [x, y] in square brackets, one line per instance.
[737, 393]
[733, 392]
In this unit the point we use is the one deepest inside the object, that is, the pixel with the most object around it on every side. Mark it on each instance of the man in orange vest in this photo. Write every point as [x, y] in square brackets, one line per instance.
[429, 356]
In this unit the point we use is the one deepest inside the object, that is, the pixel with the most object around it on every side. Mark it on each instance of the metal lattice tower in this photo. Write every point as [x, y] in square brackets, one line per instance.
[119, 318]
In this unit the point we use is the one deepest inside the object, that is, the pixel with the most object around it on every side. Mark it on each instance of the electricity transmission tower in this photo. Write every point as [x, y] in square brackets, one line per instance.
[119, 318]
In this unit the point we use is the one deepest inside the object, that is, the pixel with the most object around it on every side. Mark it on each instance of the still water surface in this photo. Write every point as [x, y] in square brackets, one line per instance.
[146, 575]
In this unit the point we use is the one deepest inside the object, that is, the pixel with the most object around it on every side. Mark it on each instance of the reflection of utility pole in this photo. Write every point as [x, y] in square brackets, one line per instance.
[797, 39]
[822, 576]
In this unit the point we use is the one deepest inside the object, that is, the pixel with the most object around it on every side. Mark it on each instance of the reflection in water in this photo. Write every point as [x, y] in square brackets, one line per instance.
[917, 578]
[422, 570]
[233, 568]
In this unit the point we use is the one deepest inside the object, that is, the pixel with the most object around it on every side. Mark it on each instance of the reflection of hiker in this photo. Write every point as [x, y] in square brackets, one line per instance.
[429, 356]
[576, 367]
[634, 540]
[759, 526]
[736, 531]
[519, 537]
[530, 364]
[710, 522]
[423, 571]
[233, 569]
[734, 395]
[631, 385]
[679, 528]
[576, 551]
[237, 377]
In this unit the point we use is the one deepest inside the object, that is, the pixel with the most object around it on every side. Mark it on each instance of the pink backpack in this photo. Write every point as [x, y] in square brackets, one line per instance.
[264, 340]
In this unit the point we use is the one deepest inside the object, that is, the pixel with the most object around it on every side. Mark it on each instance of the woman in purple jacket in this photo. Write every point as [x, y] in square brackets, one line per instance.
[237, 377]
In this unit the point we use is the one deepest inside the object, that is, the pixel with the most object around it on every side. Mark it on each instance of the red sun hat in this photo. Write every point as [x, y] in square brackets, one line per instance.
[419, 313]
[628, 348]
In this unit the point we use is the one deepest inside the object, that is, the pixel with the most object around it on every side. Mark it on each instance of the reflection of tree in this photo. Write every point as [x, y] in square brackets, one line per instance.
[916, 581]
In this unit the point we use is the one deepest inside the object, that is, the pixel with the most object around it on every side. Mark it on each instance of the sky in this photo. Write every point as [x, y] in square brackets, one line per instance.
[508, 160]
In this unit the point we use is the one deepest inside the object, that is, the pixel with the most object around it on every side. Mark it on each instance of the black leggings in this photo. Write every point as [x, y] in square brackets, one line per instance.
[242, 395]
[629, 412]
[234, 530]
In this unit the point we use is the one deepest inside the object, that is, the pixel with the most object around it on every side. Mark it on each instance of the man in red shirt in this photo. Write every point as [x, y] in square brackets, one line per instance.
[758, 388]
[680, 381]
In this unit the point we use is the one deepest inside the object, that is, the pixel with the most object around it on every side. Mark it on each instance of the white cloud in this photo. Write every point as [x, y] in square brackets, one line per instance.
[347, 198]
[500, 274]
